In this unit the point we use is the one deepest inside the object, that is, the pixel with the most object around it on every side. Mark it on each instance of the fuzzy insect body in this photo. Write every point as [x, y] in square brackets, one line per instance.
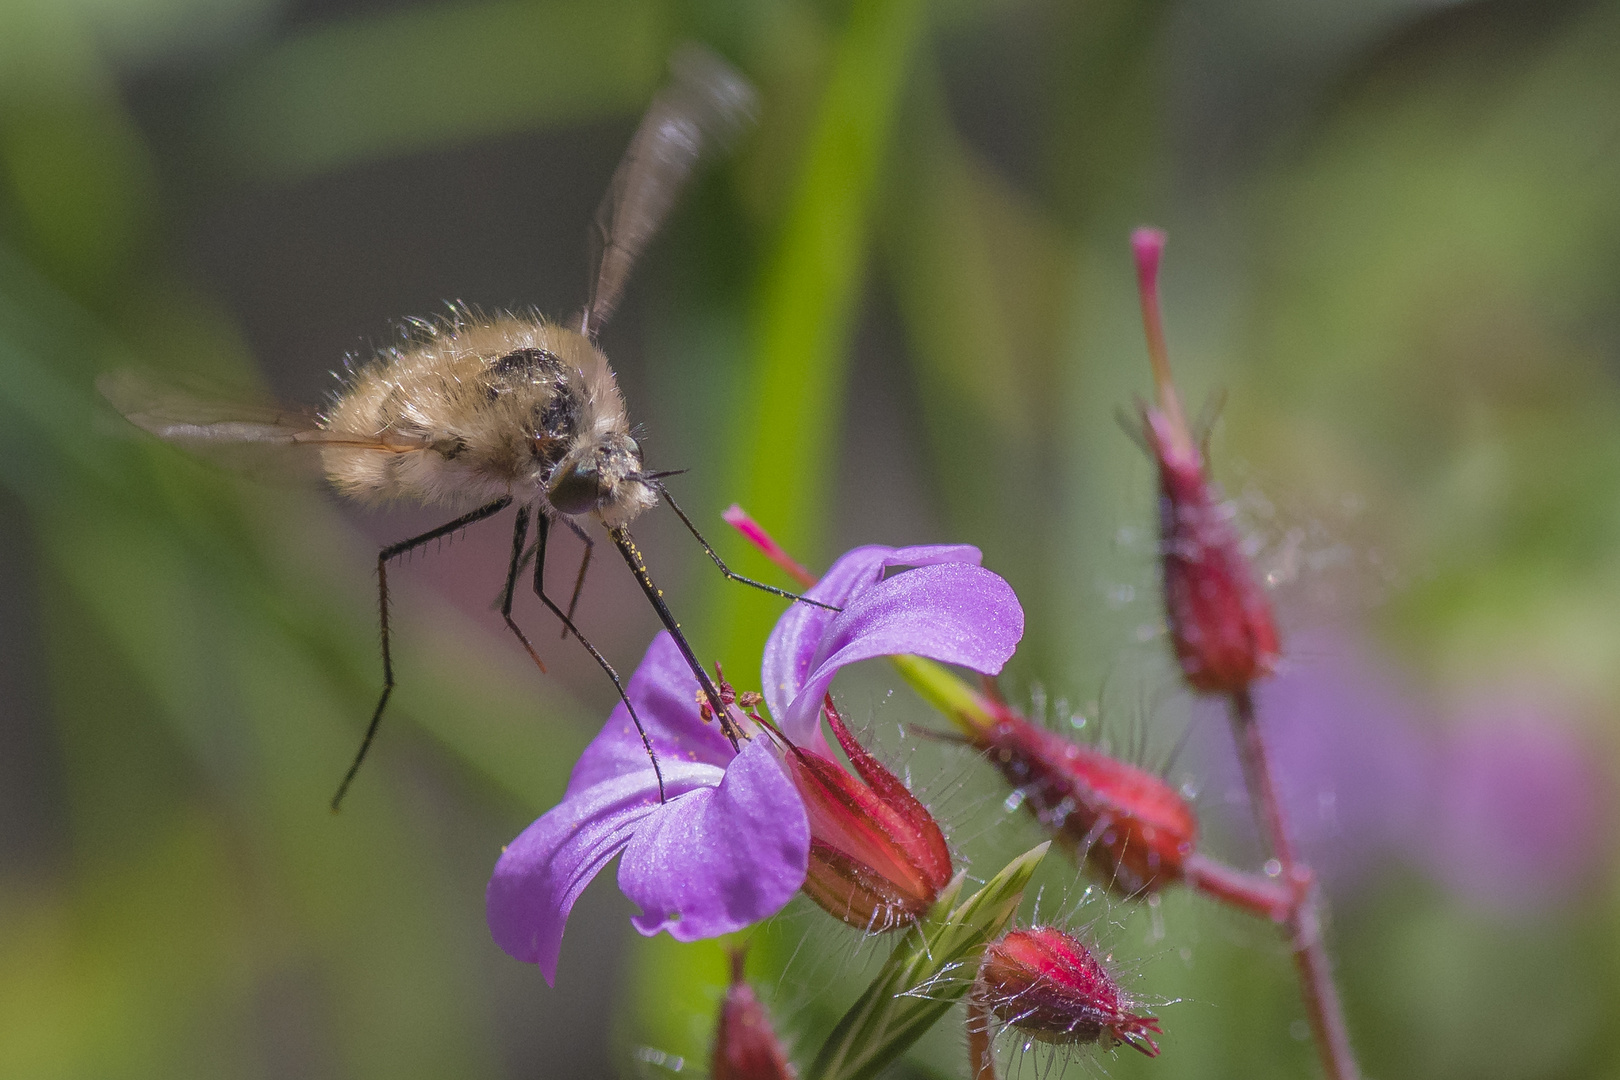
[486, 407]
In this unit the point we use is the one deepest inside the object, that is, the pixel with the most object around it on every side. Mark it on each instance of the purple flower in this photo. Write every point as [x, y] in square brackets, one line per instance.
[1517, 821]
[1503, 805]
[730, 846]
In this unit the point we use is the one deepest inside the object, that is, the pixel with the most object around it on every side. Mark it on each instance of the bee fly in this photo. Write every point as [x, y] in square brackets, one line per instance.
[483, 412]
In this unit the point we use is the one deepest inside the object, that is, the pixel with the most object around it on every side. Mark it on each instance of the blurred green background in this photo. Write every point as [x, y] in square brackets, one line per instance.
[904, 312]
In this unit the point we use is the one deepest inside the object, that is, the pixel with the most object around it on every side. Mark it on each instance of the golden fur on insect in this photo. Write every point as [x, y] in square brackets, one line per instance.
[494, 406]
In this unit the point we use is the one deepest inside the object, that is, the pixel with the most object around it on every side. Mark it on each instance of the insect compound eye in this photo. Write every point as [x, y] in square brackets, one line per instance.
[579, 489]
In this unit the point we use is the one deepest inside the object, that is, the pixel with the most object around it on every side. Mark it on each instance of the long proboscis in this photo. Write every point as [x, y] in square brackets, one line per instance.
[705, 106]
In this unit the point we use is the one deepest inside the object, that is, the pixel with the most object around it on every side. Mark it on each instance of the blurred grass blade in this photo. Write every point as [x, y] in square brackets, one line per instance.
[808, 297]
[930, 969]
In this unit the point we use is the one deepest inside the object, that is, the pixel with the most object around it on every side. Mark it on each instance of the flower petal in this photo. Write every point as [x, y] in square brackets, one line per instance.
[717, 860]
[795, 643]
[664, 693]
[956, 613]
[542, 872]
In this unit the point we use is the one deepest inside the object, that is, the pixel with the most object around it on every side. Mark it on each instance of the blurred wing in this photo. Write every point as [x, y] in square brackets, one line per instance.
[200, 424]
[706, 104]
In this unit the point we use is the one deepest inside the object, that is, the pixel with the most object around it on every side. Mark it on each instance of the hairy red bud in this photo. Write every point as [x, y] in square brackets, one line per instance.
[1131, 827]
[877, 857]
[1045, 983]
[745, 1045]
[1219, 617]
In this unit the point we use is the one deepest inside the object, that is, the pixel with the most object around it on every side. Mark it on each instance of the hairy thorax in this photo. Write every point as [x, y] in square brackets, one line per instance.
[496, 407]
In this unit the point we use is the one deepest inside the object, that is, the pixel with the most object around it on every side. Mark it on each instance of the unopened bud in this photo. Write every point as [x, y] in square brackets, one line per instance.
[877, 857]
[1219, 617]
[1045, 983]
[745, 1045]
[1133, 829]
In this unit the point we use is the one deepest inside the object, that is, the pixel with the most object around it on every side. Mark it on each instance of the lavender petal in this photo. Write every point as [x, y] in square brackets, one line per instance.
[956, 613]
[721, 858]
[542, 872]
[664, 693]
[794, 643]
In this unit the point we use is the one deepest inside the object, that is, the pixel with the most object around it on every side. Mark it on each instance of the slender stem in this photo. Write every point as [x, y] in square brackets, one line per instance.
[980, 1043]
[1148, 246]
[1321, 995]
[1262, 896]
[738, 518]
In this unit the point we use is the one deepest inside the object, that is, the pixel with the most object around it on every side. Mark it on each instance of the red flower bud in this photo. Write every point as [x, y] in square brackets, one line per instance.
[877, 857]
[1131, 827]
[1045, 983]
[745, 1046]
[1219, 617]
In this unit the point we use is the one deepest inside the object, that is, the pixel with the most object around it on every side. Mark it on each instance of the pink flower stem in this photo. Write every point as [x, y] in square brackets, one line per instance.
[1148, 246]
[1262, 896]
[1317, 987]
[980, 1045]
[738, 519]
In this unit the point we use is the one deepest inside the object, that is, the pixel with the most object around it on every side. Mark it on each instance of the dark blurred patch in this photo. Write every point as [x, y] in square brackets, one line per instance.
[291, 1021]
[32, 830]
[1491, 39]
[326, 268]
[997, 84]
[565, 1031]
[301, 14]
[883, 481]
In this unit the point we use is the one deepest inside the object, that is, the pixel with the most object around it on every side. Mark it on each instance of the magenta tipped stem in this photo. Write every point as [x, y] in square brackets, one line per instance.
[755, 533]
[1148, 247]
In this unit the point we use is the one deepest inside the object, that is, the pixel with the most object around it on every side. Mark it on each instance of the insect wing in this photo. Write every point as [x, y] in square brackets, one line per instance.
[180, 416]
[232, 433]
[706, 104]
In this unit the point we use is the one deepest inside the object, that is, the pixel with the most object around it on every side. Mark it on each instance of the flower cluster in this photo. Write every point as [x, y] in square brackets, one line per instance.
[760, 805]
[732, 840]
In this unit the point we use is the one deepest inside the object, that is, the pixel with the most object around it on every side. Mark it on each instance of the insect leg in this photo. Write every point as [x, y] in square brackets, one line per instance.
[632, 557]
[726, 570]
[584, 565]
[394, 551]
[544, 530]
[520, 533]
